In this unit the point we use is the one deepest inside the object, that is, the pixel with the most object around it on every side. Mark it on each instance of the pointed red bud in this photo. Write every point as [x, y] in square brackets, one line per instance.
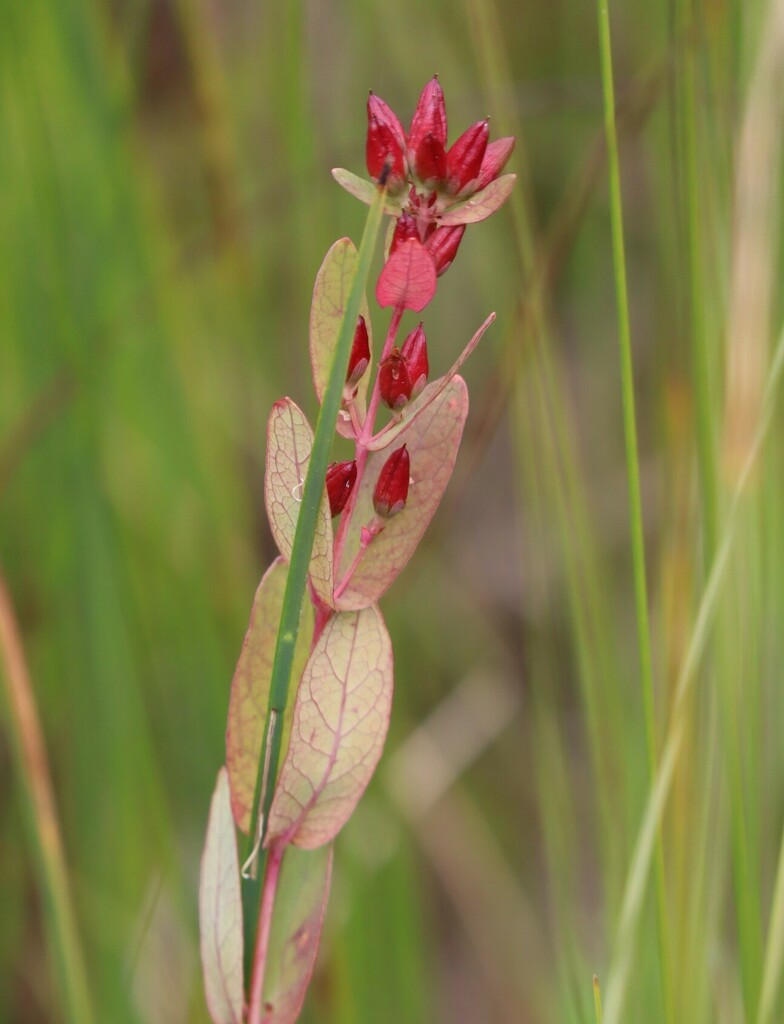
[443, 245]
[391, 491]
[394, 383]
[360, 354]
[341, 477]
[494, 161]
[429, 117]
[386, 145]
[464, 159]
[414, 352]
[429, 161]
[404, 228]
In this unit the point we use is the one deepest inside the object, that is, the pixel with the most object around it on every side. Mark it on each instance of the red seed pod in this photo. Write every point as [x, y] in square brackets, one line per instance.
[405, 227]
[386, 145]
[443, 245]
[341, 477]
[360, 354]
[394, 383]
[429, 117]
[429, 162]
[464, 159]
[494, 161]
[391, 492]
[414, 352]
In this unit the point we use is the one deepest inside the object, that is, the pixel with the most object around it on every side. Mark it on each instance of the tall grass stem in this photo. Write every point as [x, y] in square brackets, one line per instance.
[633, 473]
[32, 769]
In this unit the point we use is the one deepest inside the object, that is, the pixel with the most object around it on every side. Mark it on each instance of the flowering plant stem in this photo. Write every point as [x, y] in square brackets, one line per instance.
[633, 473]
[271, 875]
[362, 451]
[298, 568]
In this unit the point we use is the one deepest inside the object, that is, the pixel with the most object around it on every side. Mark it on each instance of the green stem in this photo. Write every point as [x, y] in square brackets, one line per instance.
[32, 768]
[633, 473]
[774, 950]
[706, 445]
[300, 559]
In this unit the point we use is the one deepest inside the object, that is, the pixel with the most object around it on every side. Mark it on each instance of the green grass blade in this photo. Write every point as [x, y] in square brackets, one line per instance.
[303, 546]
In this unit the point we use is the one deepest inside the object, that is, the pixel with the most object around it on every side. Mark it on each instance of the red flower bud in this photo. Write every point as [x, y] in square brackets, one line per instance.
[394, 383]
[391, 492]
[464, 159]
[386, 145]
[443, 245]
[429, 161]
[341, 477]
[405, 227]
[429, 117]
[360, 354]
[414, 352]
[494, 161]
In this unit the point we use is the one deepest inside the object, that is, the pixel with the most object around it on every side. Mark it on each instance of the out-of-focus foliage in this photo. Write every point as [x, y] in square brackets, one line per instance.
[165, 204]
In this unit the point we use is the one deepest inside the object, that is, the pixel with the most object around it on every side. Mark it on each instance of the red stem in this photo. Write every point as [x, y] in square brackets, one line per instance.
[362, 452]
[271, 876]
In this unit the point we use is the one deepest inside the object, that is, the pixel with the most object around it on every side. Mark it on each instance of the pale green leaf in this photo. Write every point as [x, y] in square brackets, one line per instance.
[432, 438]
[481, 205]
[289, 446]
[251, 685]
[365, 190]
[340, 724]
[300, 903]
[330, 295]
[220, 912]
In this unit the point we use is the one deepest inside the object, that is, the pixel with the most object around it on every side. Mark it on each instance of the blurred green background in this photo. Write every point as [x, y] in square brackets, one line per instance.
[165, 202]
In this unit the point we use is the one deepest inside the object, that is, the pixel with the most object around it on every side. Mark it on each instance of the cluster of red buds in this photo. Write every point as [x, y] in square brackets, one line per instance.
[428, 178]
[433, 193]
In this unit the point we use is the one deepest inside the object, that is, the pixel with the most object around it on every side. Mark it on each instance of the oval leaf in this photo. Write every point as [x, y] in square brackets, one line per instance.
[481, 205]
[251, 685]
[297, 920]
[220, 911]
[289, 444]
[340, 724]
[330, 295]
[364, 190]
[433, 438]
[408, 277]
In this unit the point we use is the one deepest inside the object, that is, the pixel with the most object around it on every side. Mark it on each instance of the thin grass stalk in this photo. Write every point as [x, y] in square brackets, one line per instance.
[633, 475]
[774, 948]
[32, 770]
[587, 604]
[641, 861]
[754, 252]
[706, 430]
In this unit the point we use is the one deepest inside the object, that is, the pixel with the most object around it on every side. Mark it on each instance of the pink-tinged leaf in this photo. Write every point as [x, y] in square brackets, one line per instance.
[251, 685]
[220, 912]
[340, 723]
[415, 409]
[408, 278]
[330, 295]
[481, 205]
[300, 903]
[432, 440]
[289, 444]
[364, 190]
